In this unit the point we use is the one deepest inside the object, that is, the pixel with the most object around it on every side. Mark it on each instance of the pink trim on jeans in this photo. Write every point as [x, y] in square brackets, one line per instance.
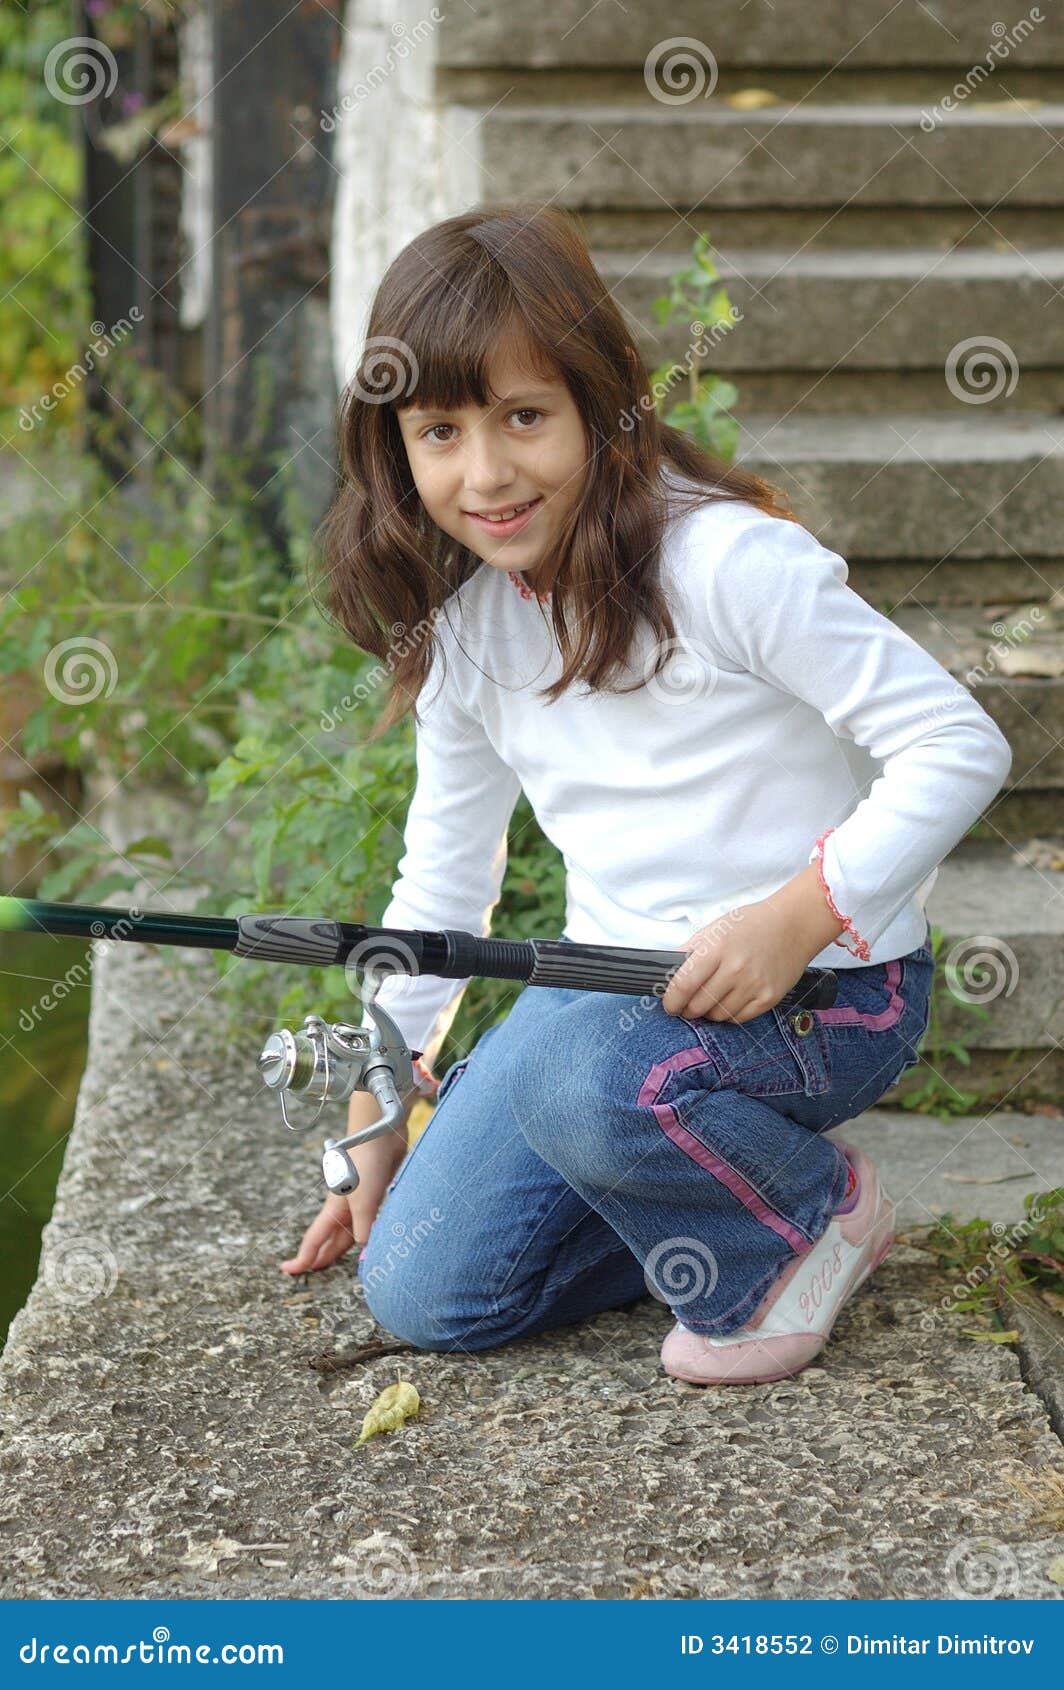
[876, 1023]
[669, 1121]
[861, 949]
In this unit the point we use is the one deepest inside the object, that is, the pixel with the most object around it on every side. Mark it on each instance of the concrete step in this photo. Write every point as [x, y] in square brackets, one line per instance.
[971, 1166]
[999, 906]
[988, 880]
[707, 155]
[865, 309]
[786, 33]
[1014, 666]
[887, 582]
[853, 391]
[959, 485]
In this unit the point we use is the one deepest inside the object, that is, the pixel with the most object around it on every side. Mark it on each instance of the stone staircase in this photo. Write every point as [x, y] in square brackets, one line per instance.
[894, 188]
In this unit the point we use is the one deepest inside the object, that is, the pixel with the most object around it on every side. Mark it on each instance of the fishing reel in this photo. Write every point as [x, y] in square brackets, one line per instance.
[327, 1061]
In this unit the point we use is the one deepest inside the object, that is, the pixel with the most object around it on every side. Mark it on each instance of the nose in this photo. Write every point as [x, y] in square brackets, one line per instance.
[489, 469]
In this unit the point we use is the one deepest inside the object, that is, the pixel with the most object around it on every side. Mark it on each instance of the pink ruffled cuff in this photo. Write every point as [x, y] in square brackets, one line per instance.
[860, 946]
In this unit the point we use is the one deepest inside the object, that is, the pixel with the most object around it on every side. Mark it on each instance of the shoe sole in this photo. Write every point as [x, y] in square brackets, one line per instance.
[791, 1372]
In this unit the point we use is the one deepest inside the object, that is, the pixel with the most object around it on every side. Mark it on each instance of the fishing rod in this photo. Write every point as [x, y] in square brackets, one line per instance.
[327, 1061]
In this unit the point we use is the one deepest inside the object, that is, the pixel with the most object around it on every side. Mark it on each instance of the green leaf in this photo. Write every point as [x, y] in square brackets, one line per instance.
[395, 1405]
[150, 845]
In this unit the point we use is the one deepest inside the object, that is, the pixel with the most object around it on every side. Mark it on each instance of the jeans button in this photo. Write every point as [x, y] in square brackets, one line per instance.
[802, 1022]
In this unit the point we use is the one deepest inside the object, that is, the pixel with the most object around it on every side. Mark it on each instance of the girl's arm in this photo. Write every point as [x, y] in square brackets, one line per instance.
[451, 871]
[776, 604]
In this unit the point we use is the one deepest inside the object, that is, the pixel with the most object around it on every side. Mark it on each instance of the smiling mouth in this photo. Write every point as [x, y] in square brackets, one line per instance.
[509, 515]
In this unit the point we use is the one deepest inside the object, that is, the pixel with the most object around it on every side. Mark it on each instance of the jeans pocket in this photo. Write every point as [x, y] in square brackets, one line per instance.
[875, 1030]
[782, 1053]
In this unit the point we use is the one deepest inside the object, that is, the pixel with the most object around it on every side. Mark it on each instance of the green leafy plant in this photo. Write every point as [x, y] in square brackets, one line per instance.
[162, 587]
[43, 283]
[986, 1261]
[698, 297]
[931, 1093]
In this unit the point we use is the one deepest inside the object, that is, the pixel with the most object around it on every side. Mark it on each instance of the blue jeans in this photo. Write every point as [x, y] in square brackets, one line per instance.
[594, 1148]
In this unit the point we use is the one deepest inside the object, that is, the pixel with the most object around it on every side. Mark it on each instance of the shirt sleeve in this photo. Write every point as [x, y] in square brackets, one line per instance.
[778, 603]
[452, 867]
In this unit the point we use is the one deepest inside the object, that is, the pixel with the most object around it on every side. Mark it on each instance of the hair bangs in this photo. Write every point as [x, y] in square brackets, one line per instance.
[449, 353]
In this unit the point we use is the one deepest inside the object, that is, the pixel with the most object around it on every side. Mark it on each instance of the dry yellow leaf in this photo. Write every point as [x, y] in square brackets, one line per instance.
[1055, 1570]
[395, 1404]
[751, 99]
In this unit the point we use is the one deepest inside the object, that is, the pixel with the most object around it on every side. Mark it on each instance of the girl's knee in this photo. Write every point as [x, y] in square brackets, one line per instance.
[433, 1318]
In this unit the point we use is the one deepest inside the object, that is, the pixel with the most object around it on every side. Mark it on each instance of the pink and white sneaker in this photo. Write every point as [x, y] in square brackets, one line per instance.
[793, 1321]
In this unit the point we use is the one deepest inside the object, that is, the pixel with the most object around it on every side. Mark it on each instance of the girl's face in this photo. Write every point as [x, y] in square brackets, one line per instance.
[528, 448]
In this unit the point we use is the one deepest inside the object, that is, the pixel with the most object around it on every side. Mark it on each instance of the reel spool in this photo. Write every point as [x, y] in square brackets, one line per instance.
[327, 1061]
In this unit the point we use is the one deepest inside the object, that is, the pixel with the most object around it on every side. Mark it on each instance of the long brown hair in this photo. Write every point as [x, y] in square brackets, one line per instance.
[442, 307]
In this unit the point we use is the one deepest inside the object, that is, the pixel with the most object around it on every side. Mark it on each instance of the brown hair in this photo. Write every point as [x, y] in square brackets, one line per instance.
[440, 310]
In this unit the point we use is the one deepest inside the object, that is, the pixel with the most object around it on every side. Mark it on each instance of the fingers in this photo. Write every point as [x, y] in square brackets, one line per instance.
[331, 1249]
[694, 979]
[698, 997]
[319, 1236]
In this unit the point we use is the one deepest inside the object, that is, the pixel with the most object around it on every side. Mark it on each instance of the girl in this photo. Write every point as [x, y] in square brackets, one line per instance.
[676, 673]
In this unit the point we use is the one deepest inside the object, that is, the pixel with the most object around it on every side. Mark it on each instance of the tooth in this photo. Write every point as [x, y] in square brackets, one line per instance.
[505, 516]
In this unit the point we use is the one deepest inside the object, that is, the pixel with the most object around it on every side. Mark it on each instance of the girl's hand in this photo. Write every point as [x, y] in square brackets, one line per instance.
[740, 966]
[343, 1221]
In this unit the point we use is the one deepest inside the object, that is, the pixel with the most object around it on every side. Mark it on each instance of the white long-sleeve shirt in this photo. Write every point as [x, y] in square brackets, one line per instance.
[793, 723]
